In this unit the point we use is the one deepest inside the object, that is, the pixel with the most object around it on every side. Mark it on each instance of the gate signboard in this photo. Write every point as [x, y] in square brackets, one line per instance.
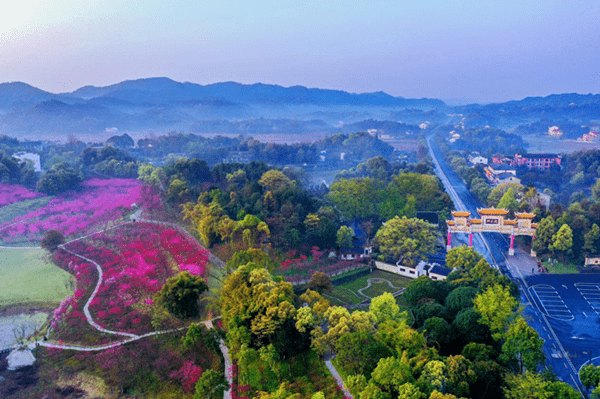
[492, 220]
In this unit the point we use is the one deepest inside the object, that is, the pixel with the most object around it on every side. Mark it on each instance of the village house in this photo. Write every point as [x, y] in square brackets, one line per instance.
[592, 261]
[537, 161]
[476, 159]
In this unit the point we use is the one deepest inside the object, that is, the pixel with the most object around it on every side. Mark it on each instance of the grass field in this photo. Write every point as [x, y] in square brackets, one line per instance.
[347, 293]
[27, 277]
[561, 268]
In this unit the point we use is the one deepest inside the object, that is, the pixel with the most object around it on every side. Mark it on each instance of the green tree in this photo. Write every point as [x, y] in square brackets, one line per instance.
[522, 346]
[410, 391]
[180, 294]
[460, 298]
[562, 390]
[496, 306]
[384, 307]
[460, 375]
[423, 287]
[590, 375]
[372, 391]
[211, 385]
[430, 309]
[259, 311]
[356, 383]
[52, 239]
[499, 191]
[592, 240]
[391, 372]
[359, 352]
[59, 178]
[462, 257]
[274, 180]
[543, 235]
[437, 331]
[433, 377]
[526, 386]
[508, 201]
[344, 237]
[178, 192]
[320, 282]
[254, 255]
[412, 239]
[562, 241]
[596, 191]
[355, 198]
[469, 328]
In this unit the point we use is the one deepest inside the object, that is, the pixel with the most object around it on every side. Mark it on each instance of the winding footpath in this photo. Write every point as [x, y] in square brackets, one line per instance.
[129, 337]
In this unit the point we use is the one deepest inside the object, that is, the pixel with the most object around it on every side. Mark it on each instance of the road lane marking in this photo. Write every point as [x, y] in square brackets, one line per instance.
[551, 302]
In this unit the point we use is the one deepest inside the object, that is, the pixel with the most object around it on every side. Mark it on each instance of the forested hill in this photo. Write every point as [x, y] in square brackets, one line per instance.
[162, 105]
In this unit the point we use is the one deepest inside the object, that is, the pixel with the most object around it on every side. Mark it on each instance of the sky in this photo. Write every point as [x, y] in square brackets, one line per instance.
[469, 50]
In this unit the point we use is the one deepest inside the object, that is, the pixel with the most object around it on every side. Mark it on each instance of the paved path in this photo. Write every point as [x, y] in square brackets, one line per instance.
[376, 280]
[338, 379]
[228, 366]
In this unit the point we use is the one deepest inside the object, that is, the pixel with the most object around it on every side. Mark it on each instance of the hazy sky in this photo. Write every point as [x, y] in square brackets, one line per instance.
[474, 49]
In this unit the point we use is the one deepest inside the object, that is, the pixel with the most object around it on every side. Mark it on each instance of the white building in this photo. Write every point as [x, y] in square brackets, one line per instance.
[476, 159]
[29, 156]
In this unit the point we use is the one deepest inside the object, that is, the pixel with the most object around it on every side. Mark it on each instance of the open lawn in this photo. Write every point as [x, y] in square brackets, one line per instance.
[348, 293]
[28, 277]
[561, 268]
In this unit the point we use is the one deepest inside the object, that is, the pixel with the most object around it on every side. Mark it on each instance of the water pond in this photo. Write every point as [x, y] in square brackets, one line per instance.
[21, 324]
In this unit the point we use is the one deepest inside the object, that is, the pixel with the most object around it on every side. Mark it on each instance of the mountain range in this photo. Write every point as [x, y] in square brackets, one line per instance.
[162, 105]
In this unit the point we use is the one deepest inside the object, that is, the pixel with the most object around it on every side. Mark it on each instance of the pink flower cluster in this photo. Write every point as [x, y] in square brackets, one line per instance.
[11, 193]
[136, 260]
[98, 202]
[61, 311]
[188, 375]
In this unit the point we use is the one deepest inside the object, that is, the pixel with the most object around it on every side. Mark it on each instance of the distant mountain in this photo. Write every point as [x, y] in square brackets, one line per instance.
[571, 107]
[163, 105]
[18, 94]
[165, 91]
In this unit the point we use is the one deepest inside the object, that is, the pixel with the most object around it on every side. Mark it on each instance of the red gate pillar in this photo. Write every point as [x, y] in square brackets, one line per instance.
[449, 245]
[470, 239]
[533, 254]
[511, 250]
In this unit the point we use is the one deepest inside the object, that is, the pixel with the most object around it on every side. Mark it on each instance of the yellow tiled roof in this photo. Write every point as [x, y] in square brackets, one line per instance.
[492, 211]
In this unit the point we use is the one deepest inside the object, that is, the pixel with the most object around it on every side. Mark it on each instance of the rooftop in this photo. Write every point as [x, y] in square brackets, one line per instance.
[525, 215]
[443, 271]
[540, 156]
[492, 211]
[461, 213]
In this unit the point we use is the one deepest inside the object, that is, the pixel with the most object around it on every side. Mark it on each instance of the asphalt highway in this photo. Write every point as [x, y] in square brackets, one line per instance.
[546, 314]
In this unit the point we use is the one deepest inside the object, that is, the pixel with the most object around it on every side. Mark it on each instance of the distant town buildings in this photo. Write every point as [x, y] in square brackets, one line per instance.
[537, 161]
[532, 161]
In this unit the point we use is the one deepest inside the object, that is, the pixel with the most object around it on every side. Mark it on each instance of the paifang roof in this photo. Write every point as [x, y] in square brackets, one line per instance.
[525, 215]
[461, 213]
[492, 211]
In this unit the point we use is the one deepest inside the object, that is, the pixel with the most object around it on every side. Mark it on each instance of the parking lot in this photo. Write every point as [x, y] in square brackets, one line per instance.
[551, 302]
[571, 304]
